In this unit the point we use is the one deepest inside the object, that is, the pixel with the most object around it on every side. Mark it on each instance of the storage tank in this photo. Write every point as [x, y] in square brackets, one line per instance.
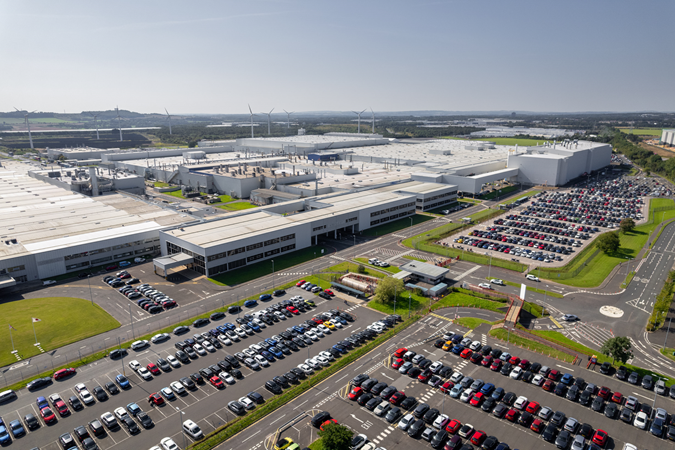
[196, 154]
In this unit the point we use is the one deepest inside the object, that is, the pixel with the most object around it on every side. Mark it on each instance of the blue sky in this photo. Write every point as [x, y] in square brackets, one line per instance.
[217, 56]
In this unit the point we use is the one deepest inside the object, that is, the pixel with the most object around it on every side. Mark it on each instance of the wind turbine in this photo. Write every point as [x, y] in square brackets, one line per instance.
[250, 111]
[119, 122]
[359, 114]
[25, 118]
[168, 117]
[96, 125]
[268, 120]
[373, 113]
[288, 119]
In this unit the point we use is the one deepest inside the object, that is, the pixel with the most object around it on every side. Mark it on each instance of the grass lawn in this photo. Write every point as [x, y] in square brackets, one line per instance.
[506, 141]
[475, 201]
[416, 303]
[396, 225]
[352, 267]
[390, 269]
[530, 288]
[316, 445]
[58, 326]
[225, 198]
[471, 322]
[262, 268]
[161, 184]
[177, 194]
[521, 195]
[533, 308]
[501, 333]
[462, 299]
[236, 206]
[642, 131]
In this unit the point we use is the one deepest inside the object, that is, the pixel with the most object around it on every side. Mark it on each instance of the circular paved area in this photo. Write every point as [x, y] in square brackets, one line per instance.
[611, 311]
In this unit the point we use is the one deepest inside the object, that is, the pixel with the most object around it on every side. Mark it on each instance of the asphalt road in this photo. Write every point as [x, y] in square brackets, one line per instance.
[206, 405]
[326, 397]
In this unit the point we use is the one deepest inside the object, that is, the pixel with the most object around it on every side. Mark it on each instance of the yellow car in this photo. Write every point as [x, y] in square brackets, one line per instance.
[448, 346]
[283, 443]
[329, 325]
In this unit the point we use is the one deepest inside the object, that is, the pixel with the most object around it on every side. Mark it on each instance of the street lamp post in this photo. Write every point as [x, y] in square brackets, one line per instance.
[273, 285]
[670, 322]
[354, 246]
[180, 425]
[490, 266]
[409, 301]
[411, 225]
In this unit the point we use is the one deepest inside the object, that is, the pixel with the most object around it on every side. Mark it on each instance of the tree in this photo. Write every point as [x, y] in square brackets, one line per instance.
[336, 436]
[618, 348]
[608, 242]
[360, 269]
[386, 289]
[627, 225]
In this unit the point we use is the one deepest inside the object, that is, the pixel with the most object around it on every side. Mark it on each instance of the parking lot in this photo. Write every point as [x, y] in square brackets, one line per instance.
[206, 405]
[387, 435]
[552, 226]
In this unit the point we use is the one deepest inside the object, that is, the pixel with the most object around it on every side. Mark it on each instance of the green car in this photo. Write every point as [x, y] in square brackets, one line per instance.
[310, 302]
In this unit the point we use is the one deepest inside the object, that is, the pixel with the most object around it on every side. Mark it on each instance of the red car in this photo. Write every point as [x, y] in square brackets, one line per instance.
[466, 353]
[317, 321]
[153, 369]
[477, 399]
[424, 376]
[478, 437]
[553, 375]
[327, 422]
[61, 408]
[617, 397]
[447, 387]
[396, 364]
[548, 386]
[453, 427]
[476, 358]
[487, 361]
[47, 415]
[524, 364]
[532, 407]
[113, 267]
[514, 360]
[604, 392]
[64, 373]
[329, 292]
[397, 398]
[400, 352]
[496, 365]
[512, 415]
[300, 283]
[156, 399]
[355, 393]
[537, 425]
[600, 438]
[216, 382]
[293, 310]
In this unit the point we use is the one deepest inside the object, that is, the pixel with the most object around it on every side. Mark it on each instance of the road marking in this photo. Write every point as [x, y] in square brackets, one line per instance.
[276, 420]
[467, 333]
[566, 368]
[251, 436]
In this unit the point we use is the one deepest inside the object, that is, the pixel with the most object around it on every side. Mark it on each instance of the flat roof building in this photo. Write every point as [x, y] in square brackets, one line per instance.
[427, 273]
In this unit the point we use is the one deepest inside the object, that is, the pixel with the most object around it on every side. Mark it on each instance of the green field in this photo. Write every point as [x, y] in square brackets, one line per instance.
[352, 267]
[161, 184]
[16, 120]
[63, 320]
[642, 131]
[390, 269]
[507, 141]
[504, 335]
[237, 206]
[396, 225]
[471, 322]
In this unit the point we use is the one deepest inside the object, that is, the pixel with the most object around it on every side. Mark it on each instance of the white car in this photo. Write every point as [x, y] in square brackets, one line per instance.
[241, 333]
[516, 373]
[224, 339]
[120, 413]
[226, 377]
[318, 332]
[440, 420]
[86, 397]
[178, 387]
[466, 395]
[538, 380]
[109, 420]
[279, 315]
[327, 355]
[382, 408]
[435, 366]
[484, 285]
[520, 403]
[248, 404]
[260, 323]
[312, 335]
[199, 349]
[322, 361]
[207, 345]
[641, 420]
[456, 377]
[262, 360]
[144, 373]
[475, 346]
[134, 365]
[168, 444]
[139, 344]
[324, 329]
[173, 361]
[232, 335]
[160, 338]
[532, 278]
[313, 364]
[497, 281]
[505, 356]
[405, 423]
[336, 323]
[305, 368]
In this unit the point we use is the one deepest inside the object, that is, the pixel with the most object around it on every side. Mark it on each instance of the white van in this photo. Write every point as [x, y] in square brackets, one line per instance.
[6, 396]
[193, 429]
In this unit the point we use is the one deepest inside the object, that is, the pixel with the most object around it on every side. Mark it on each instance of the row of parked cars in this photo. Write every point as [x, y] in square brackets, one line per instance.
[145, 296]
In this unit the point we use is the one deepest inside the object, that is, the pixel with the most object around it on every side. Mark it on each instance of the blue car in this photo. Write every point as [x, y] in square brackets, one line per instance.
[16, 428]
[122, 381]
[298, 329]
[250, 303]
[253, 326]
[267, 355]
[276, 352]
[229, 326]
[457, 349]
[4, 435]
[221, 328]
[487, 388]
[339, 348]
[41, 403]
[567, 379]
[133, 409]
[498, 393]
[125, 264]
[271, 341]
[265, 297]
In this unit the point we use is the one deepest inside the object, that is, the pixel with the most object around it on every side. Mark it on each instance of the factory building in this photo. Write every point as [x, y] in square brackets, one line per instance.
[221, 245]
[668, 137]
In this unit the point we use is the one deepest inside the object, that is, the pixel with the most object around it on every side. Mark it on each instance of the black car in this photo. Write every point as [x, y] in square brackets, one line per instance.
[573, 393]
[485, 350]
[611, 410]
[197, 378]
[527, 376]
[421, 410]
[182, 357]
[281, 381]
[605, 368]
[236, 373]
[439, 439]
[130, 424]
[500, 411]
[550, 432]
[416, 428]
[585, 398]
[509, 398]
[273, 387]
[560, 390]
[488, 404]
[378, 388]
[368, 384]
[75, 403]
[414, 372]
[626, 415]
[145, 420]
[364, 398]
[597, 404]
[634, 378]
[206, 372]
[558, 418]
[563, 440]
[236, 407]
[38, 383]
[291, 377]
[99, 393]
[525, 419]
[372, 403]
[31, 421]
[648, 382]
[431, 415]
[256, 398]
[233, 361]
[217, 315]
[67, 441]
[393, 414]
[201, 322]
[164, 365]
[408, 403]
[320, 418]
[359, 379]
[621, 373]
[181, 330]
[117, 353]
[586, 430]
[388, 392]
[96, 427]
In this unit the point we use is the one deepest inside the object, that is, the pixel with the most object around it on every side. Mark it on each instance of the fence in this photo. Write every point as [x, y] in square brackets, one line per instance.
[541, 340]
[555, 274]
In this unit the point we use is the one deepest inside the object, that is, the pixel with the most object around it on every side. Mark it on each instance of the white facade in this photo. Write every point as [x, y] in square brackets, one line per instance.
[668, 137]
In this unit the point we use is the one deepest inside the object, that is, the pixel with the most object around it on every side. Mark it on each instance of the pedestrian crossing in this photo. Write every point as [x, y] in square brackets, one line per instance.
[586, 332]
[293, 273]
